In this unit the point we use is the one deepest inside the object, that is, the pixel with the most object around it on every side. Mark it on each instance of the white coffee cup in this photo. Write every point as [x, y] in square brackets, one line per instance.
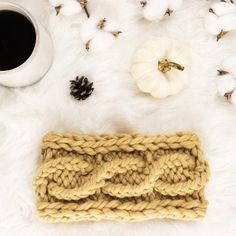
[40, 61]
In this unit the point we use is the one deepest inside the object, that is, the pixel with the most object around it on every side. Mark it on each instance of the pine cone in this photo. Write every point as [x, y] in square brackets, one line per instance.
[81, 88]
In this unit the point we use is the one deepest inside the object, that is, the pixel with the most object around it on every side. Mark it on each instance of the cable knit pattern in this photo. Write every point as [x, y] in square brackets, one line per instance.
[121, 177]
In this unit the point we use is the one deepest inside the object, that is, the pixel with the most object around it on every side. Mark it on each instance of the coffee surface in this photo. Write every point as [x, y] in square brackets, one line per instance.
[17, 39]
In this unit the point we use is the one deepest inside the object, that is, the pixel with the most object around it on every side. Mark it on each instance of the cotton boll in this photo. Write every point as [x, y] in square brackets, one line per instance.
[233, 97]
[98, 34]
[111, 26]
[212, 25]
[175, 4]
[155, 9]
[56, 3]
[71, 8]
[225, 84]
[230, 65]
[101, 41]
[228, 22]
[221, 19]
[89, 28]
[223, 8]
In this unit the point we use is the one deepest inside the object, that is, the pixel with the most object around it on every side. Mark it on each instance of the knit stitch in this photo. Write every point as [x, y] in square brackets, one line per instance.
[121, 177]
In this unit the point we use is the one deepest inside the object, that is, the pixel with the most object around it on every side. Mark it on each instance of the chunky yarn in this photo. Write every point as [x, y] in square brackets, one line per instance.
[120, 177]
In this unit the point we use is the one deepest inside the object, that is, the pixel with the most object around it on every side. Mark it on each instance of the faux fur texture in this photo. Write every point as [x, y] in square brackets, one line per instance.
[118, 106]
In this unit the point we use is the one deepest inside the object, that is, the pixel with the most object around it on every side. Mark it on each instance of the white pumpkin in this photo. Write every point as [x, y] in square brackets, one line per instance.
[161, 67]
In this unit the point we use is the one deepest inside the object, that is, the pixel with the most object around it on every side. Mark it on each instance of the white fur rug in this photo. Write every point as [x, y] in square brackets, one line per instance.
[118, 106]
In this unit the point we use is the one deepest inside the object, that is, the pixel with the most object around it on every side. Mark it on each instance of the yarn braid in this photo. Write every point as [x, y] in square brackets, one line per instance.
[121, 177]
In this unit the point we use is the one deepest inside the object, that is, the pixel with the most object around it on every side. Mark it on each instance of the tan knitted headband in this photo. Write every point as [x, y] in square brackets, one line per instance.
[120, 177]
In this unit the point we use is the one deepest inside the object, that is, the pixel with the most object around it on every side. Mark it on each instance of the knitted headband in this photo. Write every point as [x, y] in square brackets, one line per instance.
[120, 177]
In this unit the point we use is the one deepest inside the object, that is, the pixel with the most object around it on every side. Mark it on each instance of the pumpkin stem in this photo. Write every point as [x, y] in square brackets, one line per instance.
[165, 66]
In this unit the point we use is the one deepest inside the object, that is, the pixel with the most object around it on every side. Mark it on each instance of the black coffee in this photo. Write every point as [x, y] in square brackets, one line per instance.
[17, 39]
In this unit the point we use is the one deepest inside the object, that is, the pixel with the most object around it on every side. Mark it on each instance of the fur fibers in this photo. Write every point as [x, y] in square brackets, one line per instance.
[117, 106]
